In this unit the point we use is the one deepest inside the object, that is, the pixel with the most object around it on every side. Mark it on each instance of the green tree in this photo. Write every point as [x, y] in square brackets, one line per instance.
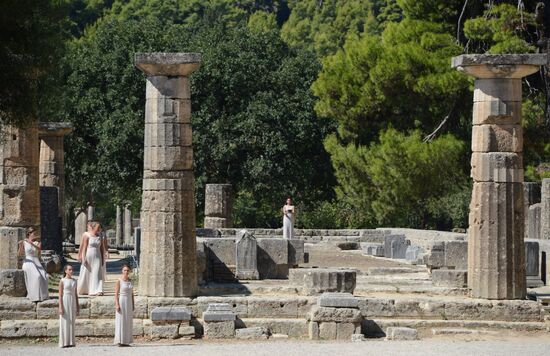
[396, 181]
[32, 34]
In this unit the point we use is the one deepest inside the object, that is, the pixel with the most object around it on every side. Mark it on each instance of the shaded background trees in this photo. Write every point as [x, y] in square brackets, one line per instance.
[351, 107]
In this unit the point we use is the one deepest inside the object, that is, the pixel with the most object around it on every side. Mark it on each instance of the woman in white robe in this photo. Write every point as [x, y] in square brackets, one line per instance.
[124, 303]
[288, 219]
[68, 308]
[91, 254]
[36, 278]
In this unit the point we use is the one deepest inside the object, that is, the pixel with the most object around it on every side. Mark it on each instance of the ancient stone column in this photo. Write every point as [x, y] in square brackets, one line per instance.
[52, 165]
[119, 228]
[19, 189]
[218, 205]
[80, 225]
[545, 210]
[496, 253]
[168, 246]
[531, 195]
[91, 212]
[127, 238]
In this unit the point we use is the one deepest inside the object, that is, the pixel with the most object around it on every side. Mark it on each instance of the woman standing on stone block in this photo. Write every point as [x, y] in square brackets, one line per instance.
[68, 308]
[288, 219]
[124, 303]
[91, 254]
[36, 278]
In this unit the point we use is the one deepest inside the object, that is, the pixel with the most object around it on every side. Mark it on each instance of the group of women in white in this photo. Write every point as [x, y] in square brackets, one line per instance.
[92, 255]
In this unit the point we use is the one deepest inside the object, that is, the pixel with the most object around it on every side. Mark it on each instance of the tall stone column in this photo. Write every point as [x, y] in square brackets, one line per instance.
[52, 162]
[218, 206]
[496, 253]
[119, 230]
[545, 210]
[127, 225]
[19, 189]
[168, 246]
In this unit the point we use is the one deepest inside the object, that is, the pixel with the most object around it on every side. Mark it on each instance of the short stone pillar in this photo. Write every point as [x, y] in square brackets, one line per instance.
[19, 189]
[127, 231]
[52, 161]
[496, 254]
[533, 222]
[119, 228]
[219, 321]
[80, 225]
[335, 317]
[91, 212]
[218, 206]
[168, 244]
[246, 251]
[545, 210]
[531, 195]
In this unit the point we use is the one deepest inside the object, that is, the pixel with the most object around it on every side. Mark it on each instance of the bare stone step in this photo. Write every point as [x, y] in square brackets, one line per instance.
[338, 300]
[401, 333]
[390, 270]
[460, 331]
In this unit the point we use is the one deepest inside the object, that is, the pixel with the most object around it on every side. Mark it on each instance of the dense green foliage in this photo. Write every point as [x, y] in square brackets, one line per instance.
[31, 41]
[350, 107]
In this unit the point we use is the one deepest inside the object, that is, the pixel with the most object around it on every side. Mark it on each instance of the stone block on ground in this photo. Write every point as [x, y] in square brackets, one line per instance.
[273, 258]
[532, 266]
[436, 257]
[413, 253]
[219, 329]
[451, 278]
[395, 246]
[170, 314]
[313, 330]
[253, 333]
[401, 333]
[296, 250]
[372, 249]
[338, 300]
[186, 331]
[340, 315]
[327, 330]
[217, 312]
[456, 254]
[246, 251]
[12, 283]
[313, 281]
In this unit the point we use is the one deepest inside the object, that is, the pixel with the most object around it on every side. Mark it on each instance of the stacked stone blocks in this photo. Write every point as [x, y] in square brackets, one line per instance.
[336, 317]
[168, 247]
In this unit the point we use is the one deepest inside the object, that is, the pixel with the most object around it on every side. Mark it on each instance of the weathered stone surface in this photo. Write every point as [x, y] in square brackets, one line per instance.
[273, 258]
[9, 243]
[246, 255]
[50, 220]
[358, 338]
[253, 333]
[496, 265]
[401, 333]
[313, 330]
[338, 300]
[497, 138]
[456, 254]
[168, 210]
[372, 249]
[314, 281]
[80, 225]
[452, 278]
[170, 314]
[186, 331]
[127, 230]
[340, 315]
[19, 195]
[413, 253]
[164, 331]
[218, 204]
[531, 196]
[327, 330]
[344, 331]
[497, 112]
[545, 209]
[532, 264]
[26, 328]
[498, 167]
[534, 221]
[12, 283]
[219, 330]
[16, 308]
[218, 312]
[296, 250]
[395, 246]
[208, 232]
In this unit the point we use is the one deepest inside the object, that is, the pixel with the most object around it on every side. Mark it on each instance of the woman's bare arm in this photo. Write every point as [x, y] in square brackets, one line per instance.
[61, 309]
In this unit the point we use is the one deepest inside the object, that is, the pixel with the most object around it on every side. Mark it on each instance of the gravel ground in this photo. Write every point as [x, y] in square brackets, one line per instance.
[447, 347]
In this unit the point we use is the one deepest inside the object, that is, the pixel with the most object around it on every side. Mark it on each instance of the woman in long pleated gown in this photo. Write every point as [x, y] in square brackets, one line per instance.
[68, 308]
[90, 280]
[124, 303]
[36, 278]
[288, 220]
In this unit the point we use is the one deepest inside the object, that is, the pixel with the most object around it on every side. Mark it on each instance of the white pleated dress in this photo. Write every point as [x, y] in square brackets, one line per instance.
[90, 280]
[288, 224]
[36, 278]
[124, 321]
[67, 320]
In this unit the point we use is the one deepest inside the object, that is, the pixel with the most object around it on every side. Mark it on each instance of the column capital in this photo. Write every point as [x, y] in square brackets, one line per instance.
[168, 64]
[507, 66]
[54, 128]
